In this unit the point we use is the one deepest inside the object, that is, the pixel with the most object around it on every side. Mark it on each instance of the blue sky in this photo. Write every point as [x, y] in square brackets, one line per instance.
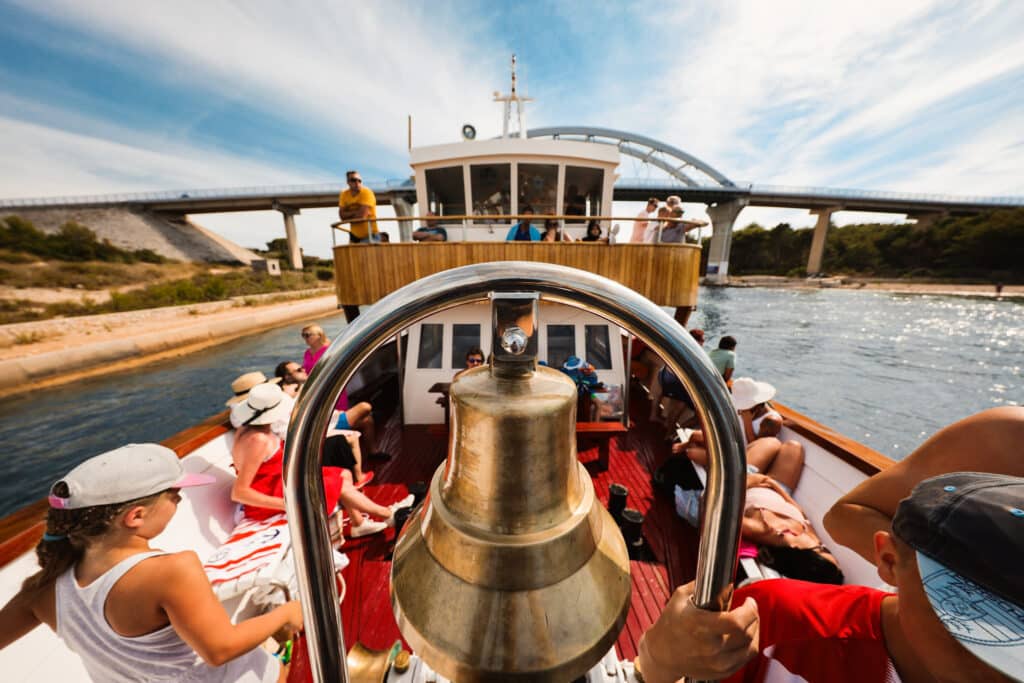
[118, 96]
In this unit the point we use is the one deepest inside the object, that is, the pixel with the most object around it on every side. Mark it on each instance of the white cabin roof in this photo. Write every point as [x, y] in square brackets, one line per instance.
[509, 148]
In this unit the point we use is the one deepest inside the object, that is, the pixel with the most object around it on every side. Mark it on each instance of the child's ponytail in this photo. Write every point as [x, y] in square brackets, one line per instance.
[67, 534]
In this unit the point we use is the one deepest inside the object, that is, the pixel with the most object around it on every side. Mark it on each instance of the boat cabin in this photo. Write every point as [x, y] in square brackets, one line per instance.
[437, 348]
[509, 176]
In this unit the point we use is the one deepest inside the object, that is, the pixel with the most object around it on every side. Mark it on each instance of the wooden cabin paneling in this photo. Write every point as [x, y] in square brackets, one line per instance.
[667, 274]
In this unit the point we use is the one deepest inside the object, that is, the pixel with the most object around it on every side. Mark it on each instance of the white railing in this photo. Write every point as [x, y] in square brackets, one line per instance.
[662, 185]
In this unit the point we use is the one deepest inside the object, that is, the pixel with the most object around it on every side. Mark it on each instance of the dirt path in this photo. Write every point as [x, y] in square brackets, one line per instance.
[46, 353]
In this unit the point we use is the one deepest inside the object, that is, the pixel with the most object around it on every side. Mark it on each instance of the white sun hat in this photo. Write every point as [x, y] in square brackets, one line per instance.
[265, 404]
[244, 383]
[748, 392]
[127, 473]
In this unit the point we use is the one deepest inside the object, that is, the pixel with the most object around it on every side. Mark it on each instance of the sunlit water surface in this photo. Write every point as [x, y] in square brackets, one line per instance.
[885, 369]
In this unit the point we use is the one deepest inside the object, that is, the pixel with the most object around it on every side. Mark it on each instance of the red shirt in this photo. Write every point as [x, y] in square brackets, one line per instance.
[817, 632]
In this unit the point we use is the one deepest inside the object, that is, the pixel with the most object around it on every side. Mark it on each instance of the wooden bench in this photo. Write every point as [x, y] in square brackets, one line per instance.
[602, 432]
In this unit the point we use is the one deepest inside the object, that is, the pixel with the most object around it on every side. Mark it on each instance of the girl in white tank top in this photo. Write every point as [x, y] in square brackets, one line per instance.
[124, 607]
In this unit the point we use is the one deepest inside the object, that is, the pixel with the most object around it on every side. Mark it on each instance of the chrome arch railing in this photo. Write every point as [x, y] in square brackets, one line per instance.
[303, 457]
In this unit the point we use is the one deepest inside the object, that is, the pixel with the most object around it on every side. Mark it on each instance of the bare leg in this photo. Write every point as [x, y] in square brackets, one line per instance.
[357, 454]
[356, 502]
[761, 453]
[788, 464]
[360, 418]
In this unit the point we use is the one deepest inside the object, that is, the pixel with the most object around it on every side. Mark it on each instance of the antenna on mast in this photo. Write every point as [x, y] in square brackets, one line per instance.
[507, 101]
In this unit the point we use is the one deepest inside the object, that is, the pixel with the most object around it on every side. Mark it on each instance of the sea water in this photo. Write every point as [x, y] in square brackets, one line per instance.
[887, 370]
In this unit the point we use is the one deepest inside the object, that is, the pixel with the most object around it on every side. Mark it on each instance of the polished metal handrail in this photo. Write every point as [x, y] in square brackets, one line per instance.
[303, 477]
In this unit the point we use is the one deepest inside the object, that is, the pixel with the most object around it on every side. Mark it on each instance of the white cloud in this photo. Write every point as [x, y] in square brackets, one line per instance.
[44, 161]
[350, 71]
[802, 93]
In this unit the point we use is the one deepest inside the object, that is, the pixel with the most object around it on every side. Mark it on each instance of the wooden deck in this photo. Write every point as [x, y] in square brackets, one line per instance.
[671, 544]
[667, 274]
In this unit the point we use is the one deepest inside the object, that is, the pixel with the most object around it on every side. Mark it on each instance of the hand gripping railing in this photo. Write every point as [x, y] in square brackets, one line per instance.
[724, 493]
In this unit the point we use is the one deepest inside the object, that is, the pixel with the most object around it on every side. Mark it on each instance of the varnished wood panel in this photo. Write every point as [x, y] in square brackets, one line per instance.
[667, 274]
[867, 460]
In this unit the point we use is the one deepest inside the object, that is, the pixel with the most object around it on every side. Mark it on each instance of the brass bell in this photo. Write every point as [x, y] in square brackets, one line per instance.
[371, 666]
[511, 570]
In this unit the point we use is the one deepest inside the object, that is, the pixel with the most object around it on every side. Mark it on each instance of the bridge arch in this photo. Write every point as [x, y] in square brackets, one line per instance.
[679, 164]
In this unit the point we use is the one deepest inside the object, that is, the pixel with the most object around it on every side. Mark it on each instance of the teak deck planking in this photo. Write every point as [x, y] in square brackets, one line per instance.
[366, 608]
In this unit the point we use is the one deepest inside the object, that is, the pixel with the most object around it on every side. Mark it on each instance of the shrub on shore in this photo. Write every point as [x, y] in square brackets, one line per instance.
[73, 242]
[986, 247]
[201, 288]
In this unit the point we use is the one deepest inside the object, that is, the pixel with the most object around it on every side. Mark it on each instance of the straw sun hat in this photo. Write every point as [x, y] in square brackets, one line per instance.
[243, 383]
[265, 404]
[747, 393]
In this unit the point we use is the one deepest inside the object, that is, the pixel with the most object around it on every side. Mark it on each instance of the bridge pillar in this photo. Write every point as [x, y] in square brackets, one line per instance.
[403, 208]
[818, 241]
[292, 235]
[722, 216]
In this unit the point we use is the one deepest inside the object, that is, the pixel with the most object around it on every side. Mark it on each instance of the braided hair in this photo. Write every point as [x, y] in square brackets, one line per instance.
[69, 532]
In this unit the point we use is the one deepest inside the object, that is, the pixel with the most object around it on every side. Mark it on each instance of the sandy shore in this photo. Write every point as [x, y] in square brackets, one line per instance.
[51, 352]
[896, 286]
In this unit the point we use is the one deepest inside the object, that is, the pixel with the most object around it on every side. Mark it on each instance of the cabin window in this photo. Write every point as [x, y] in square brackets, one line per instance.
[491, 186]
[431, 345]
[538, 187]
[446, 193]
[599, 353]
[561, 344]
[582, 191]
[464, 337]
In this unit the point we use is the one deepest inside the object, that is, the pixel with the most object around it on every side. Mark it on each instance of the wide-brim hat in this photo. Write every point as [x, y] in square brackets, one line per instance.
[244, 383]
[967, 529]
[127, 473]
[748, 392]
[265, 404]
[573, 363]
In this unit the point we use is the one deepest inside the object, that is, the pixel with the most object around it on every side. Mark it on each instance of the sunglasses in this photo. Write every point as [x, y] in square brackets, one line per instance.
[475, 361]
[355, 180]
[307, 335]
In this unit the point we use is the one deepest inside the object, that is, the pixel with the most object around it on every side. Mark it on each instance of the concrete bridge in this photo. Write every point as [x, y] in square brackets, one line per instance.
[687, 176]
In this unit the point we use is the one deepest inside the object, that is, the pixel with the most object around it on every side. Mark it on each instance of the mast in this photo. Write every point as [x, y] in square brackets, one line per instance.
[507, 101]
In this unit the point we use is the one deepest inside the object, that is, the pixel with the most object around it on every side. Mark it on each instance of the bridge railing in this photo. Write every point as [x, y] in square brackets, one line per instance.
[661, 185]
[199, 193]
[751, 188]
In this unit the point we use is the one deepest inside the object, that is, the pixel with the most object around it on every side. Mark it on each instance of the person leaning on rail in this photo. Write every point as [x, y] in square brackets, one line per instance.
[431, 231]
[358, 202]
[954, 555]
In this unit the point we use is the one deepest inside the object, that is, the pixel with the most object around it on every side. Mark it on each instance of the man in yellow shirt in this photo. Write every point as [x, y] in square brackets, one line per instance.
[358, 202]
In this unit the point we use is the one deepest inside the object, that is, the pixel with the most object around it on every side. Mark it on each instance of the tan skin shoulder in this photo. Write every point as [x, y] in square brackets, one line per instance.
[135, 603]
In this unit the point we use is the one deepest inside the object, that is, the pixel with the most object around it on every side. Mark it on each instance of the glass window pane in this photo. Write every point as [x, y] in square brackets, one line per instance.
[431, 340]
[446, 193]
[464, 337]
[491, 187]
[599, 352]
[582, 191]
[561, 344]
[538, 187]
